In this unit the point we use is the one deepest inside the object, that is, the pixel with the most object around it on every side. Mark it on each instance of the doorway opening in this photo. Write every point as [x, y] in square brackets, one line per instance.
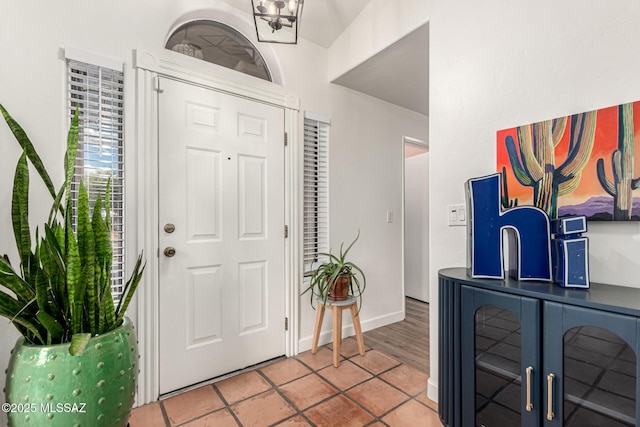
[416, 218]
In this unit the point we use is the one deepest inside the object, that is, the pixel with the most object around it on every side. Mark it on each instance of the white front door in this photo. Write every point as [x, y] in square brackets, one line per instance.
[221, 209]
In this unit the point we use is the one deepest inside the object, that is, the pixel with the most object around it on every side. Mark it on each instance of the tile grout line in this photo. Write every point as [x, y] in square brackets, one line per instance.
[165, 416]
[410, 396]
[206, 413]
[227, 406]
[339, 389]
[286, 398]
[343, 391]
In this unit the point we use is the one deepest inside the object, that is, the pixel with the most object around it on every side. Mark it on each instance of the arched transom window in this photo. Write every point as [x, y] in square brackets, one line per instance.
[219, 44]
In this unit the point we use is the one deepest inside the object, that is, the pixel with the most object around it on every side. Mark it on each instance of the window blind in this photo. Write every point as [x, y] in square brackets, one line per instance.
[316, 183]
[97, 92]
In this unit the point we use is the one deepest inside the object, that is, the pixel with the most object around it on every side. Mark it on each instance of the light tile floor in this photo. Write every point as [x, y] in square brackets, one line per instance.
[371, 390]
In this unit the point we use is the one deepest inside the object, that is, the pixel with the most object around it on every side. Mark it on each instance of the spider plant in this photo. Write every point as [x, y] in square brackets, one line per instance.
[329, 272]
[61, 291]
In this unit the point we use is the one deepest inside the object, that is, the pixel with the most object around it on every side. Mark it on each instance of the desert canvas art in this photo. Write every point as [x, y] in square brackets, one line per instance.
[582, 164]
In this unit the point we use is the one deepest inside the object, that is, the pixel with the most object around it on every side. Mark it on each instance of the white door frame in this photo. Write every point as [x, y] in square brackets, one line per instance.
[150, 65]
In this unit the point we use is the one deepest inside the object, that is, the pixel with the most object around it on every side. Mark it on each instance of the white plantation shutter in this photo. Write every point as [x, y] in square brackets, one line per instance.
[98, 92]
[316, 183]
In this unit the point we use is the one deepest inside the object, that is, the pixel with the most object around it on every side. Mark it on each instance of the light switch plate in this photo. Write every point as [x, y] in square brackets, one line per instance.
[457, 215]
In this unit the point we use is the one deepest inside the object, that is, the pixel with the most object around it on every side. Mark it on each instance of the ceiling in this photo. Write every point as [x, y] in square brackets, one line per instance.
[399, 74]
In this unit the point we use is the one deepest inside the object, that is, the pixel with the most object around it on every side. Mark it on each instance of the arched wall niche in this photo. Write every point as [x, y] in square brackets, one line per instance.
[229, 16]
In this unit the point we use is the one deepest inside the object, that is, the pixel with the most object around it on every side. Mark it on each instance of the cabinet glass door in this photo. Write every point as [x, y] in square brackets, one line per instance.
[497, 368]
[599, 379]
[499, 359]
[594, 376]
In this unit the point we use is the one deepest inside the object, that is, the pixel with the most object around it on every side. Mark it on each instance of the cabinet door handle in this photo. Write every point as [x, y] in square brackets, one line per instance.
[550, 413]
[529, 406]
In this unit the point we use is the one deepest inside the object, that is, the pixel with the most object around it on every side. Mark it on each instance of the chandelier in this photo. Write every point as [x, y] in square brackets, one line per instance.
[277, 21]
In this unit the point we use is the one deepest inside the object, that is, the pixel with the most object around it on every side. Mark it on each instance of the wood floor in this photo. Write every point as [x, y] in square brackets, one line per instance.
[408, 340]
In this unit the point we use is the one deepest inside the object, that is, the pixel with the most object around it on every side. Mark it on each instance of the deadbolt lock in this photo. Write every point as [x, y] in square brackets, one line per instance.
[169, 228]
[169, 251]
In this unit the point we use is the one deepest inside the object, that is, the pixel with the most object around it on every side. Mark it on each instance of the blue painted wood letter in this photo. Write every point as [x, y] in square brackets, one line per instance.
[570, 252]
[527, 228]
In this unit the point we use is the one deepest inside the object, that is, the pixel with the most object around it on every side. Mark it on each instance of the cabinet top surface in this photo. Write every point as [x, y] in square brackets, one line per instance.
[617, 299]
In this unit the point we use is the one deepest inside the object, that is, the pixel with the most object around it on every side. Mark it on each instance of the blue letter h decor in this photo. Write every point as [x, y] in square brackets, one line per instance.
[527, 228]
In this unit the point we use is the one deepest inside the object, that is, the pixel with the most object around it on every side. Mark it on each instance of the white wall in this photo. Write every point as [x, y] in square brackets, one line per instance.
[497, 64]
[365, 164]
[378, 26]
[416, 226]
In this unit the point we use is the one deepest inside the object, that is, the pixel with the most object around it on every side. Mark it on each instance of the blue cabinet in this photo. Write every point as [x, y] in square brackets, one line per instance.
[535, 354]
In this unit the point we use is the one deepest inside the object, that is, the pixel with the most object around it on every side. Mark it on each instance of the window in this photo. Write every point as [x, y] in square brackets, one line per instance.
[97, 92]
[219, 44]
[316, 183]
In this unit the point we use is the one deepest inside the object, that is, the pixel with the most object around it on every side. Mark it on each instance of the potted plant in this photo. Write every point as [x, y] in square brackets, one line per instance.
[76, 361]
[336, 279]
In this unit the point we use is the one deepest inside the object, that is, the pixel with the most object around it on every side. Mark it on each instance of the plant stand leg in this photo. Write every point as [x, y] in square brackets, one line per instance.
[355, 316]
[337, 334]
[316, 330]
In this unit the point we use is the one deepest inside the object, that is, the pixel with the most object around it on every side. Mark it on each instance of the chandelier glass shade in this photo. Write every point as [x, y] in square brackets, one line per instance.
[277, 21]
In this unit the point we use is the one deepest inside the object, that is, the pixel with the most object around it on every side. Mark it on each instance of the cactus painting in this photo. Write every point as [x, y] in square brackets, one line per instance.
[581, 164]
[622, 165]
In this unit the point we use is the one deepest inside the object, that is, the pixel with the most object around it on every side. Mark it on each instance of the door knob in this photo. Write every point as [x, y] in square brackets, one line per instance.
[169, 228]
[169, 251]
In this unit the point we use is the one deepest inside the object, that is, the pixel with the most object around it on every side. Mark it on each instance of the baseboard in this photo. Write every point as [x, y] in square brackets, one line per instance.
[432, 390]
[326, 335]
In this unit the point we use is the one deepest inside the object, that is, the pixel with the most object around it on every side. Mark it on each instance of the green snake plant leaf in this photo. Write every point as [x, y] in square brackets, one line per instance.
[100, 307]
[109, 307]
[79, 343]
[107, 228]
[42, 289]
[73, 279]
[20, 214]
[52, 260]
[107, 205]
[102, 236]
[71, 154]
[103, 255]
[13, 309]
[57, 204]
[14, 282]
[129, 289]
[28, 148]
[54, 328]
[87, 258]
[47, 273]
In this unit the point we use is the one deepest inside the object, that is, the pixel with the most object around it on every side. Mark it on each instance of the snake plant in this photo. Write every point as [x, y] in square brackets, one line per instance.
[327, 273]
[61, 291]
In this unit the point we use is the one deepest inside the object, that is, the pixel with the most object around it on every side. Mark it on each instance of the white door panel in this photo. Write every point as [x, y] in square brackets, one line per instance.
[221, 180]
